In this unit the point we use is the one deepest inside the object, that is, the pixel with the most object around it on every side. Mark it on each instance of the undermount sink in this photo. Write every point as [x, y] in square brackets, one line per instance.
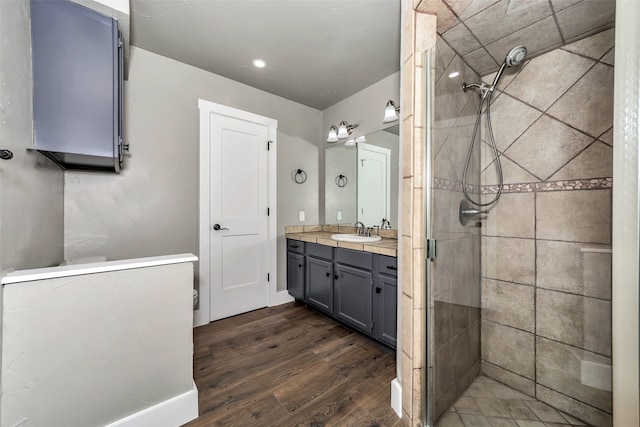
[355, 238]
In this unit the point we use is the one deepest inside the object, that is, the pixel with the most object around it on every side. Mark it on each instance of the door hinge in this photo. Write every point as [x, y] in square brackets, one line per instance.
[269, 145]
[267, 211]
[268, 277]
[431, 249]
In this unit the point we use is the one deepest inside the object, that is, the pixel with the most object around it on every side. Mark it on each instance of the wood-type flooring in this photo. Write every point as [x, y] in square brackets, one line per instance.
[291, 366]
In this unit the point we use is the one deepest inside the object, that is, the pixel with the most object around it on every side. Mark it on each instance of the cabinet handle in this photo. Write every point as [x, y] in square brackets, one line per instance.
[392, 267]
[300, 265]
[328, 274]
[295, 246]
[378, 290]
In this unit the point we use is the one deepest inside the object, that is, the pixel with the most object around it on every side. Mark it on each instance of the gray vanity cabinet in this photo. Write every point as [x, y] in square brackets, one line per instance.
[357, 288]
[295, 268]
[319, 277]
[385, 299]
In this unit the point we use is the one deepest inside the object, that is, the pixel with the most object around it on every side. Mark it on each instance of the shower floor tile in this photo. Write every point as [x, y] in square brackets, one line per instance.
[487, 403]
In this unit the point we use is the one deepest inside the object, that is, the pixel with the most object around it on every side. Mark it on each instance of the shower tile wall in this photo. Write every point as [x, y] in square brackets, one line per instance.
[455, 284]
[546, 261]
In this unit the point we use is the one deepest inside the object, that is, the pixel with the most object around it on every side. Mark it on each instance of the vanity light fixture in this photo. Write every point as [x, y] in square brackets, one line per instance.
[345, 129]
[333, 134]
[390, 112]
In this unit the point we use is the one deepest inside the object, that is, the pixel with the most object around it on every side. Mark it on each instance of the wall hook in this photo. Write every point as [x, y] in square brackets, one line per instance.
[341, 181]
[299, 176]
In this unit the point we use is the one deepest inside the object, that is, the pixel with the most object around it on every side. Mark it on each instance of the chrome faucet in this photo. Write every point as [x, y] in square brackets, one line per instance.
[383, 226]
[359, 226]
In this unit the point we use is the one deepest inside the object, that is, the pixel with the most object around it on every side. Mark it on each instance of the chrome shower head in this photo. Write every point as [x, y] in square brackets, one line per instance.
[516, 56]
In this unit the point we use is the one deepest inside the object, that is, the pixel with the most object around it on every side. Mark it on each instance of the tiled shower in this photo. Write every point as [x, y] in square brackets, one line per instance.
[524, 295]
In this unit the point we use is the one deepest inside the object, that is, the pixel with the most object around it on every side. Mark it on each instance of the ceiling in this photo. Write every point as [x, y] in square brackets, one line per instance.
[318, 52]
[483, 31]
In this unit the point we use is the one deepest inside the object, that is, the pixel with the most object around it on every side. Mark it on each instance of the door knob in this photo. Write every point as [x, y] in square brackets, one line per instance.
[6, 154]
[218, 228]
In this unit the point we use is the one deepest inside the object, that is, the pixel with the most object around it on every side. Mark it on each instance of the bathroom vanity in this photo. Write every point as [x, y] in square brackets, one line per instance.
[355, 284]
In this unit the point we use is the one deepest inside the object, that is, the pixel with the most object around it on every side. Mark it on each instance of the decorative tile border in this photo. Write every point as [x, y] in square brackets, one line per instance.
[445, 184]
[567, 185]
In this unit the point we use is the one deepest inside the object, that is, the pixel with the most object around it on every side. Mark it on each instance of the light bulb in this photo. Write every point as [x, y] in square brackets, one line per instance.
[343, 132]
[390, 113]
[333, 134]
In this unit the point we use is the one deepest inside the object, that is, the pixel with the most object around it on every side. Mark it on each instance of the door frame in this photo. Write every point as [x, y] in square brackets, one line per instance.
[206, 108]
[387, 153]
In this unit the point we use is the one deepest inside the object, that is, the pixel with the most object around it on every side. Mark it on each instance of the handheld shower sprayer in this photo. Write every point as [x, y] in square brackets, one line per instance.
[515, 56]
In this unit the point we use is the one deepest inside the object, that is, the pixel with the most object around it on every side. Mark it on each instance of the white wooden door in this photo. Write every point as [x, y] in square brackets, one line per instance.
[374, 182]
[239, 256]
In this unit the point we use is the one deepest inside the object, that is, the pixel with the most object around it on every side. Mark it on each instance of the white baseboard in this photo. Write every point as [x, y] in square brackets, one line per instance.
[396, 397]
[200, 317]
[280, 297]
[174, 412]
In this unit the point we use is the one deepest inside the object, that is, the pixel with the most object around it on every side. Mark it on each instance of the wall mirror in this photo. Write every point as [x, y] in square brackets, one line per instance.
[361, 181]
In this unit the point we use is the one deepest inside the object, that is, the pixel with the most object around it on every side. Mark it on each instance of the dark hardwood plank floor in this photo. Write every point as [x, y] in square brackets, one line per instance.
[291, 366]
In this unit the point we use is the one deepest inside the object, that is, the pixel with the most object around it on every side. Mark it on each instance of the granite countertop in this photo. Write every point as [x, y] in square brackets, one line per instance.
[321, 234]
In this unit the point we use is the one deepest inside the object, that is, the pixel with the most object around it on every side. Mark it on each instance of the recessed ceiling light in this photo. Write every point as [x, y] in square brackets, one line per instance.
[259, 63]
[454, 74]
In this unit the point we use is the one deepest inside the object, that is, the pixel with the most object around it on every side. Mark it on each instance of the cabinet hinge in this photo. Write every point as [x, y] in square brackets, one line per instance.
[431, 249]
[267, 211]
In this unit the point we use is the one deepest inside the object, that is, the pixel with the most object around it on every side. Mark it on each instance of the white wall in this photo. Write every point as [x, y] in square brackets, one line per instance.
[31, 187]
[151, 207]
[365, 108]
[92, 349]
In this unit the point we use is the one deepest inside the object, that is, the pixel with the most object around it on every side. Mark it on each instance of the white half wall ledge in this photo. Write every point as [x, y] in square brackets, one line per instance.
[173, 412]
[95, 267]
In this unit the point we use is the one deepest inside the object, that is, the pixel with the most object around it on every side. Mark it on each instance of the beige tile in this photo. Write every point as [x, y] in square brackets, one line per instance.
[425, 33]
[584, 16]
[508, 304]
[481, 62]
[406, 331]
[568, 267]
[446, 19]
[540, 37]
[519, 410]
[508, 348]
[530, 423]
[294, 229]
[465, 11]
[408, 31]
[594, 162]
[461, 39]
[574, 407]
[594, 94]
[594, 46]
[517, 382]
[502, 422]
[441, 214]
[511, 172]
[417, 391]
[576, 320]
[408, 88]
[579, 216]
[312, 228]
[407, 147]
[407, 206]
[407, 266]
[475, 420]
[421, 280]
[407, 383]
[488, 29]
[546, 146]
[492, 407]
[609, 58]
[443, 374]
[450, 419]
[510, 260]
[442, 322]
[548, 76]
[510, 118]
[607, 137]
[467, 405]
[418, 337]
[512, 216]
[418, 220]
[559, 5]
[353, 246]
[545, 412]
[419, 158]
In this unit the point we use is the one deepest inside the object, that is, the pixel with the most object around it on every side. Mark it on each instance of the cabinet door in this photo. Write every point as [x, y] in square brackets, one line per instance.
[386, 294]
[295, 275]
[319, 284]
[353, 297]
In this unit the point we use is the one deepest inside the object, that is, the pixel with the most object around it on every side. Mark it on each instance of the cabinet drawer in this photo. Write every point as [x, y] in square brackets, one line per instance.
[354, 258]
[387, 265]
[296, 246]
[320, 251]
